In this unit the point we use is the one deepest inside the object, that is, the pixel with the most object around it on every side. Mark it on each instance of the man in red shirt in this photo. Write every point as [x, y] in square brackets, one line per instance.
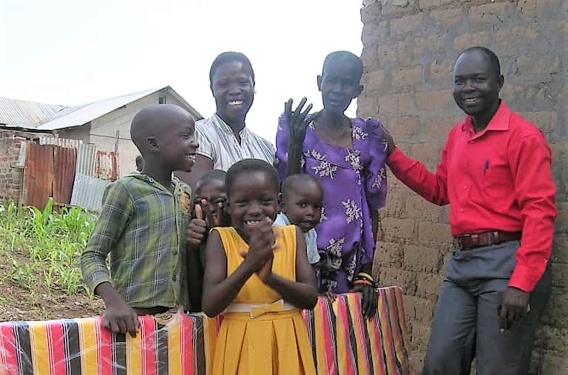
[495, 174]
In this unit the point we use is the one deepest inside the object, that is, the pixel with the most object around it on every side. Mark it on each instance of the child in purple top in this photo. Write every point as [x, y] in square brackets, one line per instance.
[348, 157]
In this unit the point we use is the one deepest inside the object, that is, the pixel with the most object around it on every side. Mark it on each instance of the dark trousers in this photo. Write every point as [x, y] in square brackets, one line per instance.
[465, 323]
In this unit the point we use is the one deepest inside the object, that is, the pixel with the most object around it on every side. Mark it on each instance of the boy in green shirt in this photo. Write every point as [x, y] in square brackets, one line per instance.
[143, 224]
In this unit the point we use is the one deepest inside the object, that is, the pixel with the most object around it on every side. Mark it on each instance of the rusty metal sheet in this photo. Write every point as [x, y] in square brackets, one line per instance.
[106, 166]
[38, 174]
[64, 165]
[76, 176]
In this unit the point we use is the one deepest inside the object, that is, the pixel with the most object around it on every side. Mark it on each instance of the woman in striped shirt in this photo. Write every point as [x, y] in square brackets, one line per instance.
[224, 138]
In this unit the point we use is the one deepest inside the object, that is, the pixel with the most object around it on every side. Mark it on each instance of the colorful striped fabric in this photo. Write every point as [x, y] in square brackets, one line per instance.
[83, 346]
[342, 343]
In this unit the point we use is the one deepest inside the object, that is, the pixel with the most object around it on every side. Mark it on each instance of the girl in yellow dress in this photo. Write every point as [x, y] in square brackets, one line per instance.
[260, 278]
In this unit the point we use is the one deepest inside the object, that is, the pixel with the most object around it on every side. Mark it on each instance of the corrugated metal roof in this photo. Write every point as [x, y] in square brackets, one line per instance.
[80, 115]
[47, 117]
[21, 113]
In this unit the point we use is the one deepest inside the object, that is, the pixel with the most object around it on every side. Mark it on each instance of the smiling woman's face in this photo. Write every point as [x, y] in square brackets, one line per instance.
[233, 89]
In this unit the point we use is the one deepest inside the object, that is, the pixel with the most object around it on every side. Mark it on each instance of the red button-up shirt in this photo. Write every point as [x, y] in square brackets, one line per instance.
[497, 179]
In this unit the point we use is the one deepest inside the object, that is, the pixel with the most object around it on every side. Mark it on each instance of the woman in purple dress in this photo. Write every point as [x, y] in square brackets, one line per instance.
[348, 157]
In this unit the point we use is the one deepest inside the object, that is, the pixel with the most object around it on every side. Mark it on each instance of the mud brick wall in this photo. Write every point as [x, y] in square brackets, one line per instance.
[409, 47]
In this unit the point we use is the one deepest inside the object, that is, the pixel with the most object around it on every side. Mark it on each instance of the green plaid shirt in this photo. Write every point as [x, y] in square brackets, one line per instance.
[143, 228]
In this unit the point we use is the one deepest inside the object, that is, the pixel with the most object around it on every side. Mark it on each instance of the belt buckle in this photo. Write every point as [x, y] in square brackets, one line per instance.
[493, 238]
[474, 241]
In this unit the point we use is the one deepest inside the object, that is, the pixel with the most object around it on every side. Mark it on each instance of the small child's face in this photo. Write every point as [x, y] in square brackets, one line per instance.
[303, 205]
[253, 198]
[139, 165]
[213, 191]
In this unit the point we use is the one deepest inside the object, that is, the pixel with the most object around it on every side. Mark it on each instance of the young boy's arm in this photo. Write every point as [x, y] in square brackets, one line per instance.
[116, 211]
[119, 316]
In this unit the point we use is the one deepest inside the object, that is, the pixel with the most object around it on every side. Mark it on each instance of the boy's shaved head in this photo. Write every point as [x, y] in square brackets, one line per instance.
[293, 183]
[153, 120]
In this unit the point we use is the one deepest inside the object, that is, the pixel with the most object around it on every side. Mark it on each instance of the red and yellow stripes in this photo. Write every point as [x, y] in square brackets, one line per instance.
[321, 330]
[343, 343]
[175, 345]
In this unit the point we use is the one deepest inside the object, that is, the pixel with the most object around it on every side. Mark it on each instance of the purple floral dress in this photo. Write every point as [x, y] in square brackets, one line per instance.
[354, 183]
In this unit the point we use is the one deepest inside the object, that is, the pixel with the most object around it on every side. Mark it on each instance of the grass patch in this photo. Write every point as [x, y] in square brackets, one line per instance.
[39, 259]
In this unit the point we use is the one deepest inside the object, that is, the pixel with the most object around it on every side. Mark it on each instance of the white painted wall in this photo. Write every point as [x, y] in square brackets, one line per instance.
[103, 130]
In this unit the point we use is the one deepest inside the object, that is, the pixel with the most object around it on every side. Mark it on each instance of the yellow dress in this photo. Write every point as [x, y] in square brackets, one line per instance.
[274, 343]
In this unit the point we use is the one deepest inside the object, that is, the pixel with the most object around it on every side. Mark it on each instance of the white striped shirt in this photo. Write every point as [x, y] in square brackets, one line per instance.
[218, 143]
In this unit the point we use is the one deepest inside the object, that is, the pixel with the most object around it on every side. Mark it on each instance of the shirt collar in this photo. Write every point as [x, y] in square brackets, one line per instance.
[218, 121]
[499, 121]
[175, 182]
[284, 218]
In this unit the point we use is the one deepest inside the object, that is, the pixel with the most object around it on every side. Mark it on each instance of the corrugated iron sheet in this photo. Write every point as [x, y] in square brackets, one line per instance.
[26, 114]
[38, 175]
[99, 164]
[88, 192]
[64, 165]
[76, 176]
[106, 167]
[86, 159]
[95, 169]
[49, 172]
[63, 142]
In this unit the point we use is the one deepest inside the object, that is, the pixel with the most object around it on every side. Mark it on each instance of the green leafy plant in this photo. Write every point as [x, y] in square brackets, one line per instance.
[51, 240]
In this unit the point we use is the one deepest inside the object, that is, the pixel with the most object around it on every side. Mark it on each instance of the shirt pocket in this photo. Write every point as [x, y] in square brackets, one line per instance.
[497, 180]
[496, 176]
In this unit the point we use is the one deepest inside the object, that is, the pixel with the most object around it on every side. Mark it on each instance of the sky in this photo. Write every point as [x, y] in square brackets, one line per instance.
[71, 52]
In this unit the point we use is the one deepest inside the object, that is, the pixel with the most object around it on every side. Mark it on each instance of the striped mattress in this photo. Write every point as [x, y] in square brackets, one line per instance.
[342, 343]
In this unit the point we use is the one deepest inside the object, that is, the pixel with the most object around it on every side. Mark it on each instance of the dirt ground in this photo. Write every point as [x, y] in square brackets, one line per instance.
[37, 302]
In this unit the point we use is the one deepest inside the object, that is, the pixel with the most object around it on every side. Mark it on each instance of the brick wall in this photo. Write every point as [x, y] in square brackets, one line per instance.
[11, 175]
[409, 47]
